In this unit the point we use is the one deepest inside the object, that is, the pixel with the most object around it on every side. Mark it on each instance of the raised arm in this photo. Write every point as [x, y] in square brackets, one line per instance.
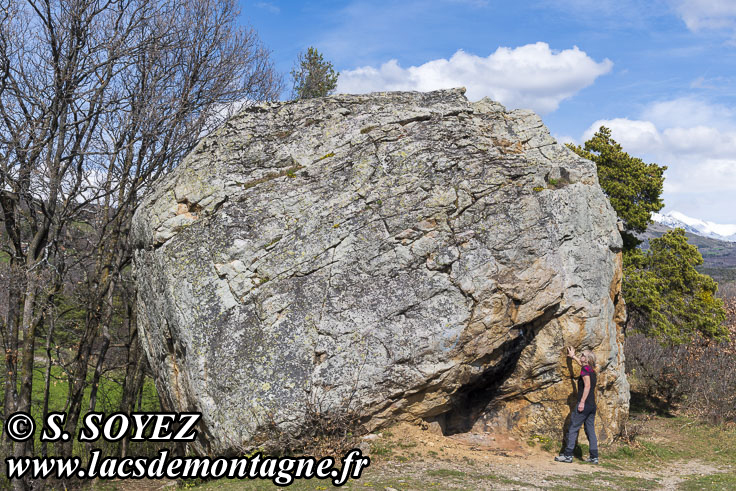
[571, 354]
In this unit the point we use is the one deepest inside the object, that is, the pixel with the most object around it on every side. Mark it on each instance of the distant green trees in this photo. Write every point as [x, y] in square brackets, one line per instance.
[312, 76]
[665, 295]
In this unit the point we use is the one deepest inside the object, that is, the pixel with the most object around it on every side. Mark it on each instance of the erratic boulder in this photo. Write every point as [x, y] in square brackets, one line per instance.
[403, 256]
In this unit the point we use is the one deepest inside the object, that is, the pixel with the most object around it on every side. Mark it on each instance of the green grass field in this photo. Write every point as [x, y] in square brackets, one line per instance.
[108, 398]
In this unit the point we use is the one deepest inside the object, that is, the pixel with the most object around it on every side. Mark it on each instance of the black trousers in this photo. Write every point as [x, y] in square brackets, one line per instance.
[578, 419]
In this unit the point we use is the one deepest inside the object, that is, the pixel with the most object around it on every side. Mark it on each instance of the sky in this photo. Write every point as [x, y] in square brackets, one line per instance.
[660, 73]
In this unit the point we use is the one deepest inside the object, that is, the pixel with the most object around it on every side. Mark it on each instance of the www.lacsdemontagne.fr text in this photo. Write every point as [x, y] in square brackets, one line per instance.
[281, 470]
[160, 427]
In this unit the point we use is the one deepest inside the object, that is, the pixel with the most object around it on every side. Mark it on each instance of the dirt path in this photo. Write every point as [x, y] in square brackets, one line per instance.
[483, 461]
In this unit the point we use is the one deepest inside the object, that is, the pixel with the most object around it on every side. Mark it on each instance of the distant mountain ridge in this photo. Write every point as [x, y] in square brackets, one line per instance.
[675, 219]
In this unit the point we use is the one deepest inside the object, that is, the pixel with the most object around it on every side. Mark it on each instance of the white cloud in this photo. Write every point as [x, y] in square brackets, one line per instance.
[636, 136]
[274, 9]
[565, 139]
[707, 14]
[531, 76]
[688, 111]
[702, 142]
[694, 139]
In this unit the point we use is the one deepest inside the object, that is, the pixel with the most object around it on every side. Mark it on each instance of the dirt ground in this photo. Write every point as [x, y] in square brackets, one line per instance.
[409, 457]
[515, 464]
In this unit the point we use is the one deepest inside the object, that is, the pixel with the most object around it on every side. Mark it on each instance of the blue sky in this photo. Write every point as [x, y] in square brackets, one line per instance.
[660, 73]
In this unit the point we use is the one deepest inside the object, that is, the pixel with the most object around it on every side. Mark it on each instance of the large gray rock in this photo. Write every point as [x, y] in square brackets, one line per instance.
[402, 255]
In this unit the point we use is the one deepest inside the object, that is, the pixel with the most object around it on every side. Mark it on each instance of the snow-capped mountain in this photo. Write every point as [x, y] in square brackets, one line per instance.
[696, 226]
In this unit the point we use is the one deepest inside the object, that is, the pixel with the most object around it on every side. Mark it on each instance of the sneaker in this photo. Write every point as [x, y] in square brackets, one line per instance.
[564, 458]
[591, 460]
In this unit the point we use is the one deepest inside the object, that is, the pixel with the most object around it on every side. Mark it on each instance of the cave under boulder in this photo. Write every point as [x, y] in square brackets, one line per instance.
[400, 256]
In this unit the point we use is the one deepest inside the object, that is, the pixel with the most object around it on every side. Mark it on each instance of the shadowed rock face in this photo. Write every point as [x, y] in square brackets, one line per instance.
[404, 255]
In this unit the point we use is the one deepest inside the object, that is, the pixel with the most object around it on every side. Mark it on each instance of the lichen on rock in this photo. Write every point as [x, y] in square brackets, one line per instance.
[403, 256]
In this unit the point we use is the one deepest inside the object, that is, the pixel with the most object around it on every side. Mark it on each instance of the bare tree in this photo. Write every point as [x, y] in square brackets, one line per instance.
[98, 98]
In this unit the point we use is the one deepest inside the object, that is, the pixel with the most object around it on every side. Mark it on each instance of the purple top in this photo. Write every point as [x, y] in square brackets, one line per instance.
[590, 401]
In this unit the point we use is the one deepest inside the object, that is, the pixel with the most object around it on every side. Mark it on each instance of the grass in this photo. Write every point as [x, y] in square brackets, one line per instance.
[603, 480]
[382, 449]
[446, 473]
[644, 453]
[713, 481]
[625, 482]
[399, 483]
[432, 479]
[108, 401]
[680, 438]
[108, 398]
[545, 442]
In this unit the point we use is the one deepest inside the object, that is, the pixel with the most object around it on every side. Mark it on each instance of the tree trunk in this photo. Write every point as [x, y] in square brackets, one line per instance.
[11, 357]
[30, 322]
[47, 378]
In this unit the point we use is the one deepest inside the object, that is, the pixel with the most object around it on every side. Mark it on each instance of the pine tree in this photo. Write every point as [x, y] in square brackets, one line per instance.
[633, 186]
[665, 295]
[312, 76]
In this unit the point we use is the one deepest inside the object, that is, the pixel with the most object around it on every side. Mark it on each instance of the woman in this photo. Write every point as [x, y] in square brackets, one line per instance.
[584, 412]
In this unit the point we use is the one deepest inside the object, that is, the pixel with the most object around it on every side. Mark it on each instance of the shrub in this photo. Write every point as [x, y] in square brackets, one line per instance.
[698, 377]
[323, 433]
